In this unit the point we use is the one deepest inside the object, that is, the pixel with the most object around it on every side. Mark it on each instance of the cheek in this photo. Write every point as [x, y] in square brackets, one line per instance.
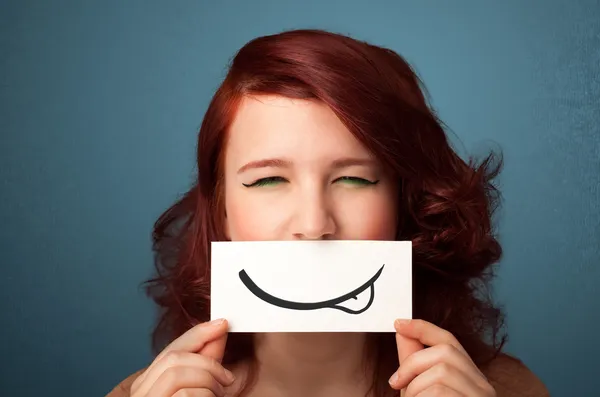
[248, 220]
[370, 218]
[242, 224]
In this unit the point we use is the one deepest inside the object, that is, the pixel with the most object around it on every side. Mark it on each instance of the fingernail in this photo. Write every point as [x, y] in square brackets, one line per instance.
[393, 378]
[216, 322]
[229, 375]
[400, 322]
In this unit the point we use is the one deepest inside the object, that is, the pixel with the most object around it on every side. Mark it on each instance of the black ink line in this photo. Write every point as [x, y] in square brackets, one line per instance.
[332, 303]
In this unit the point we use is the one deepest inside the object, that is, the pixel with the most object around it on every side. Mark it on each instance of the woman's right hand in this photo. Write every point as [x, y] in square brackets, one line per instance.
[189, 366]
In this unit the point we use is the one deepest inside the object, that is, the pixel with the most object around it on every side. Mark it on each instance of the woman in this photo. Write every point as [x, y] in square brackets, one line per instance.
[315, 135]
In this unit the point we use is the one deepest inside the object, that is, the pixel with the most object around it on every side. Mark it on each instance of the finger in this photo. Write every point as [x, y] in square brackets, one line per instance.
[184, 359]
[439, 390]
[194, 393]
[137, 380]
[177, 378]
[427, 333]
[443, 375]
[192, 341]
[423, 360]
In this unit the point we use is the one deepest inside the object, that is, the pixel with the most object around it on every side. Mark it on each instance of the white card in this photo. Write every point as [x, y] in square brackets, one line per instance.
[311, 286]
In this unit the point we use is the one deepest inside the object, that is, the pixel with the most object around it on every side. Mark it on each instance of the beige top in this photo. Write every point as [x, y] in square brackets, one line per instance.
[509, 376]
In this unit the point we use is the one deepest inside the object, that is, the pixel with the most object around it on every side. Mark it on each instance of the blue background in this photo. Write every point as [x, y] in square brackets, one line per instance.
[100, 103]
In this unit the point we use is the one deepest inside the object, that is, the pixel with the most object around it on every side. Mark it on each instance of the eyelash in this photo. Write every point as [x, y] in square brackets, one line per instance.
[272, 179]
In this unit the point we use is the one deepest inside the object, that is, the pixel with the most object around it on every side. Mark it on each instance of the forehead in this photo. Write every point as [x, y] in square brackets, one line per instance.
[279, 126]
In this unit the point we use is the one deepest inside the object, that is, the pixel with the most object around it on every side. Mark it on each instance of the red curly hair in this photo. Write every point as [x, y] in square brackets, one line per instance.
[446, 204]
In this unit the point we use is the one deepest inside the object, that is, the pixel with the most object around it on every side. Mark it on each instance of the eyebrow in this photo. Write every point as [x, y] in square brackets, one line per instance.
[351, 161]
[282, 163]
[275, 163]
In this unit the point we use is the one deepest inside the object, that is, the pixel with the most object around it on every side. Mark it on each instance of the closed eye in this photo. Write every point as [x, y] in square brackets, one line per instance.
[353, 180]
[275, 180]
[269, 181]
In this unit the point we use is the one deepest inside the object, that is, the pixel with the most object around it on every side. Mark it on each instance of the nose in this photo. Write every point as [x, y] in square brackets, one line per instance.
[314, 219]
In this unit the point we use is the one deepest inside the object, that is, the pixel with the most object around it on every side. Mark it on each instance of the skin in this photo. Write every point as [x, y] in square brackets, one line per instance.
[293, 171]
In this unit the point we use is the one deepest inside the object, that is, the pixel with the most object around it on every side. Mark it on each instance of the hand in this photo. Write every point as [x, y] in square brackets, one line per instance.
[189, 366]
[443, 369]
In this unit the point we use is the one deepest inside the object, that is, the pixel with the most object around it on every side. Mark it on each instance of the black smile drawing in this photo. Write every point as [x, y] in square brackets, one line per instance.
[332, 303]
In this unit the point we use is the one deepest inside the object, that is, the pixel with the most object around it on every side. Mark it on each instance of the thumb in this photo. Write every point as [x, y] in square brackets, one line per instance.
[215, 348]
[406, 346]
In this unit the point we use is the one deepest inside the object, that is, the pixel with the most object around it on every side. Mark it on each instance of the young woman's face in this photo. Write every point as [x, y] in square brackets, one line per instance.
[293, 171]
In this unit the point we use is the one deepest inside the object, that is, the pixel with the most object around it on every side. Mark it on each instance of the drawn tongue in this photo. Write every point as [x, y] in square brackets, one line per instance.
[358, 302]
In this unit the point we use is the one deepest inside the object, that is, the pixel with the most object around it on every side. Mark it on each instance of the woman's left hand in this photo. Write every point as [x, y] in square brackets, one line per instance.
[442, 369]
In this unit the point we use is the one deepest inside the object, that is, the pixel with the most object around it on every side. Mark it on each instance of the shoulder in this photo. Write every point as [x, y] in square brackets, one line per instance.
[511, 378]
[123, 388]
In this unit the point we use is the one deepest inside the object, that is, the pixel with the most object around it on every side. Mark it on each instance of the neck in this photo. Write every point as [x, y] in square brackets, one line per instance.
[312, 364]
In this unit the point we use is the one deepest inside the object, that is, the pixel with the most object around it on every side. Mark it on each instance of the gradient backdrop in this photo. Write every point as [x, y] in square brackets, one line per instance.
[99, 107]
